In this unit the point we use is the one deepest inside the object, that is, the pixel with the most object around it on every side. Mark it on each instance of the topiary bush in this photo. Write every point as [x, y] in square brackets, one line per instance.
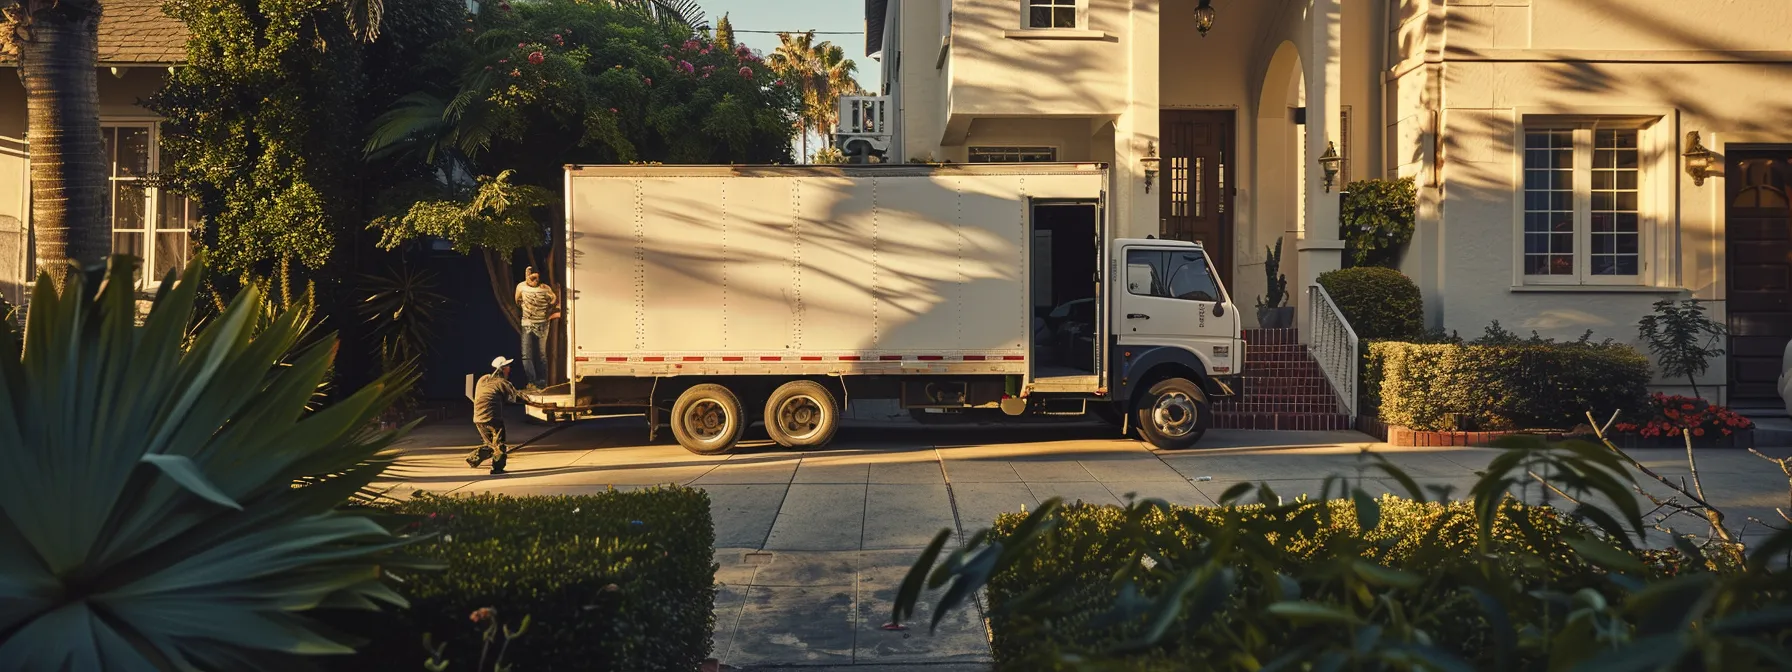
[1376, 219]
[611, 581]
[1380, 303]
[1525, 385]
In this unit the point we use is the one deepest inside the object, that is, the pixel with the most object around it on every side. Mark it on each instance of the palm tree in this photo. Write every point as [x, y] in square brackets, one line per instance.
[835, 73]
[56, 43]
[794, 60]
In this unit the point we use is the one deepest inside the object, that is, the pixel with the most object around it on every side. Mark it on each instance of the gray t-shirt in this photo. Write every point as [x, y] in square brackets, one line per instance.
[536, 302]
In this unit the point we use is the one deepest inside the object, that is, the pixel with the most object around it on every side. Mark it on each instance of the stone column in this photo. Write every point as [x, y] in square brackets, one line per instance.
[1135, 212]
[1318, 247]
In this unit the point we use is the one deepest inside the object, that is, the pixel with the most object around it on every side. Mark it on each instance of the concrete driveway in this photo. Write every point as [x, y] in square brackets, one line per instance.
[812, 545]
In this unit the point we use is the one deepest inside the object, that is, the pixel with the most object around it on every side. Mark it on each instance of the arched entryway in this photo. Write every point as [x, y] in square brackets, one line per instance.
[1281, 147]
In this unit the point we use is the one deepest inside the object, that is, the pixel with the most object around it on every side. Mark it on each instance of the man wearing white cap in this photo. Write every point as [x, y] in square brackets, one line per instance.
[488, 415]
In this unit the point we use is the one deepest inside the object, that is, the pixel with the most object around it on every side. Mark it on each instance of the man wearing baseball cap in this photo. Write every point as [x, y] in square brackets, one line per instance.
[488, 415]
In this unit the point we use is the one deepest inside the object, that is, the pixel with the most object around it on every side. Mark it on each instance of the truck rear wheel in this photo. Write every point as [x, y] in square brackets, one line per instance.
[802, 414]
[707, 419]
[1174, 414]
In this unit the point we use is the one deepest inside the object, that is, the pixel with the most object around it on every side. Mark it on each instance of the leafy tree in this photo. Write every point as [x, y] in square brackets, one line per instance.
[1682, 338]
[529, 88]
[725, 33]
[56, 43]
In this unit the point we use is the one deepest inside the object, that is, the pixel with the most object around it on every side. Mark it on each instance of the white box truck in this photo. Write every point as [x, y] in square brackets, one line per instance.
[714, 297]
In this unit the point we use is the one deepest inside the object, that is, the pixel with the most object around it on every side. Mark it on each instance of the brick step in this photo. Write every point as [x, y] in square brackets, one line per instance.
[1262, 398]
[1314, 385]
[1281, 421]
[1279, 409]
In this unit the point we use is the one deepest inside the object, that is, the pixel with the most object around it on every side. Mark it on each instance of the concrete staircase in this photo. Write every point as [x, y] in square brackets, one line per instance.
[1283, 388]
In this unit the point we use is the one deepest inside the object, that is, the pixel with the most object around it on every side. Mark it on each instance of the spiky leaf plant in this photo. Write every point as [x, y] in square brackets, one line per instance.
[177, 507]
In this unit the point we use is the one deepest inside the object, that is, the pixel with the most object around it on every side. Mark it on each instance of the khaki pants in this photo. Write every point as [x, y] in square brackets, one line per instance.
[491, 434]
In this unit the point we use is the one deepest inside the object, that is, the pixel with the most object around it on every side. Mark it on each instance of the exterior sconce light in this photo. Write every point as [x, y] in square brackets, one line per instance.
[1698, 159]
[1149, 163]
[1204, 17]
[1329, 163]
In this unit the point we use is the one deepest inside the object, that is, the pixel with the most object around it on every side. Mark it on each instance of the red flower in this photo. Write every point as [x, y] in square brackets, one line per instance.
[488, 68]
[481, 614]
[612, 110]
[648, 80]
[1698, 431]
[516, 73]
[746, 72]
[503, 60]
[537, 58]
[520, 45]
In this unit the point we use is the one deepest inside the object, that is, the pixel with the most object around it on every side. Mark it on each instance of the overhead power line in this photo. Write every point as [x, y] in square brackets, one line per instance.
[796, 32]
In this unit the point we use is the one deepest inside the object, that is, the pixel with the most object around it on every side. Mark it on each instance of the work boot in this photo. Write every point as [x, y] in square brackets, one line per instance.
[498, 465]
[475, 460]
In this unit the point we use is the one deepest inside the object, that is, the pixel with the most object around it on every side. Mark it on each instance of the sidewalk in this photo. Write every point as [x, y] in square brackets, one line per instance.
[812, 545]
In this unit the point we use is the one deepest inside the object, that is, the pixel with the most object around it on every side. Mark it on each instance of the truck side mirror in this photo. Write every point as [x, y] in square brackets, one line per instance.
[1219, 309]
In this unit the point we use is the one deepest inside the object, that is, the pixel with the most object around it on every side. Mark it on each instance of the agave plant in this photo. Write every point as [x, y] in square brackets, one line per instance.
[171, 505]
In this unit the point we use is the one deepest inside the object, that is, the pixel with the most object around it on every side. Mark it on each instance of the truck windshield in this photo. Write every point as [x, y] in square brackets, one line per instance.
[1170, 274]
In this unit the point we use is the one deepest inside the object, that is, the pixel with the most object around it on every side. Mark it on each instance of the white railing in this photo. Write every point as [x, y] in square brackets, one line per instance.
[1334, 345]
[864, 115]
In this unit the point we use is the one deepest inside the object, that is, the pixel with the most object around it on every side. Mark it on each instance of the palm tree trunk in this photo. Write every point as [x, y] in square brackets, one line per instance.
[58, 58]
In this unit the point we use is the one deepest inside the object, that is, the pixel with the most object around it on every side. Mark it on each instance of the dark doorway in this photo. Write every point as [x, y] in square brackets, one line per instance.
[1758, 252]
[1195, 199]
[1065, 257]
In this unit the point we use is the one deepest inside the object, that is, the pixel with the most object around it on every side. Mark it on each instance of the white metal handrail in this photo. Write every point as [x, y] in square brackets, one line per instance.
[864, 115]
[1334, 345]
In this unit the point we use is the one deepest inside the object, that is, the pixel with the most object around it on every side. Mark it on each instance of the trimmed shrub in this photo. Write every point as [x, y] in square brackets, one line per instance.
[1380, 303]
[1525, 385]
[1377, 220]
[611, 581]
[1080, 558]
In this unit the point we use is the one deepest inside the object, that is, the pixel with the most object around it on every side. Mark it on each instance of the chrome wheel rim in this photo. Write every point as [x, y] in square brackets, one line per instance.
[707, 419]
[1174, 415]
[800, 417]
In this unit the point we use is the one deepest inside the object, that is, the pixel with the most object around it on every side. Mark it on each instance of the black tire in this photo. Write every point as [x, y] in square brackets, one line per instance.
[1173, 414]
[707, 419]
[802, 414]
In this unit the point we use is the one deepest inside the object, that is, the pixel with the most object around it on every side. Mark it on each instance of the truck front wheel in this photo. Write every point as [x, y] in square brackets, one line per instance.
[1174, 414]
[707, 419]
[802, 414]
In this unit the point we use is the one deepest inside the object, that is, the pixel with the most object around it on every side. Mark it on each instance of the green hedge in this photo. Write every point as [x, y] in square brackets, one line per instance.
[611, 581]
[1539, 385]
[1079, 559]
[1380, 303]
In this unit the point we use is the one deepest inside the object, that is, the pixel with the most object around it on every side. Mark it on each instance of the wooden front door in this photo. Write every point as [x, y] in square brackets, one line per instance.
[1195, 195]
[1758, 252]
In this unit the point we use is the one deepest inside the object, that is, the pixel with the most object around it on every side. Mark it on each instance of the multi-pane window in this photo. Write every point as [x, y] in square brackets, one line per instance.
[1583, 215]
[1051, 13]
[1549, 203]
[1614, 209]
[1013, 154]
[147, 224]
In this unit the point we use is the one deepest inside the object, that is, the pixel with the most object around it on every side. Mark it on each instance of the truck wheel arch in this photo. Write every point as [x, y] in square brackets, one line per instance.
[1149, 365]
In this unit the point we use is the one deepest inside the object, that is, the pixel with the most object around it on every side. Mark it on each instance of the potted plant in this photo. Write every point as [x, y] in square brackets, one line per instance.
[1272, 313]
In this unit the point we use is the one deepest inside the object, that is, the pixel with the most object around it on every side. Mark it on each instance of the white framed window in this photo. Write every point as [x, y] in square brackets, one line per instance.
[1052, 14]
[1013, 154]
[146, 223]
[1587, 202]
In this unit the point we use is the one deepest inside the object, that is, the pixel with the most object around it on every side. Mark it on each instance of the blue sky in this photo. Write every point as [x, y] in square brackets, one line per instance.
[797, 16]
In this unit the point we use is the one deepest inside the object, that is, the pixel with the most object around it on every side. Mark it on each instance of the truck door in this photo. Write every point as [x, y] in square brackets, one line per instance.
[1168, 297]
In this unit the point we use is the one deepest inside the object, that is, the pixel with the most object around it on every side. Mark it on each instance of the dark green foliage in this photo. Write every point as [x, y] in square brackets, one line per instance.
[1377, 220]
[1514, 385]
[1365, 583]
[1682, 338]
[1277, 293]
[1380, 303]
[619, 581]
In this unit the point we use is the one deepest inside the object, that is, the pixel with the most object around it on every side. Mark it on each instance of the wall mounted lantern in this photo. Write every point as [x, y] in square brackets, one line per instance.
[1149, 163]
[1698, 159]
[1204, 17]
[1329, 163]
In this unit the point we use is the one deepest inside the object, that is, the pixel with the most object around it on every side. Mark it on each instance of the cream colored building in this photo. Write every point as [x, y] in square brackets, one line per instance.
[1546, 138]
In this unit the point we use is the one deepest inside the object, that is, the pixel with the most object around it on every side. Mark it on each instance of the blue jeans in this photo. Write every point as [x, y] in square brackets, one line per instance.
[535, 336]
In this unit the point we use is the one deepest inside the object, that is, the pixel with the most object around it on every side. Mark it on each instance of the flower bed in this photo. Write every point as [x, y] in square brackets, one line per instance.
[1676, 416]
